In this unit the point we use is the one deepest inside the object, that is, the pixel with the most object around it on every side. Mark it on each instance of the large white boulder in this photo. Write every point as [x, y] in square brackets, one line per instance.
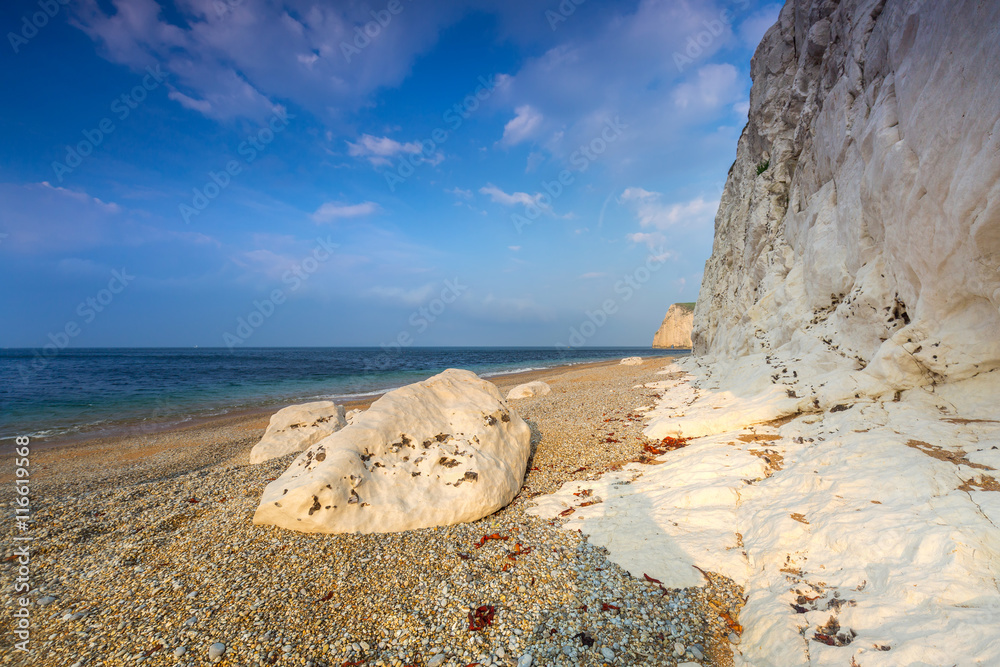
[296, 427]
[631, 361]
[529, 390]
[442, 451]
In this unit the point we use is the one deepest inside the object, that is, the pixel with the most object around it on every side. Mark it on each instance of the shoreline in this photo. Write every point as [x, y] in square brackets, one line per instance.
[255, 415]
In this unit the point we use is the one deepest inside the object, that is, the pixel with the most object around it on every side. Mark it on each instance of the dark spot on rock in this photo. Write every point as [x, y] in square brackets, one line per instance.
[471, 476]
[354, 499]
[406, 440]
[491, 420]
[839, 408]
[505, 417]
[414, 474]
[315, 506]
[441, 437]
[447, 463]
[284, 491]
[321, 457]
[427, 443]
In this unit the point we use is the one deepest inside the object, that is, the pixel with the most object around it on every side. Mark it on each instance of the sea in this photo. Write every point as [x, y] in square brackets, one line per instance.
[101, 391]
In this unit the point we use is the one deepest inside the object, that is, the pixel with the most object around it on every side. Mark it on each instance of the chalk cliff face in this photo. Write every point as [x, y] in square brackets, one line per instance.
[675, 331]
[841, 403]
[859, 230]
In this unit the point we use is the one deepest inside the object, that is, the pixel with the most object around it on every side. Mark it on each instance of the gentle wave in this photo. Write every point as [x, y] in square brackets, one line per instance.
[146, 389]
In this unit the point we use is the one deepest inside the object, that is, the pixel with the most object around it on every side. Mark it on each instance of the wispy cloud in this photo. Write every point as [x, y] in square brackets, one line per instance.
[651, 239]
[713, 87]
[380, 150]
[460, 193]
[524, 125]
[331, 211]
[652, 211]
[407, 297]
[512, 199]
[108, 207]
[233, 63]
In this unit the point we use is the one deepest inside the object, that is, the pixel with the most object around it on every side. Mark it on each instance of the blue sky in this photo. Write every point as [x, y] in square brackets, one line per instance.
[460, 173]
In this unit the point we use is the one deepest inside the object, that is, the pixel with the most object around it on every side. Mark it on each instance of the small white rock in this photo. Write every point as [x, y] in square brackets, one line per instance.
[42, 601]
[679, 649]
[437, 660]
[179, 651]
[216, 650]
[525, 660]
[607, 653]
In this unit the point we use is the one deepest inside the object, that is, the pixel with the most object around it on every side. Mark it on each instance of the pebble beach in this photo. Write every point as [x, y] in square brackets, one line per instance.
[144, 552]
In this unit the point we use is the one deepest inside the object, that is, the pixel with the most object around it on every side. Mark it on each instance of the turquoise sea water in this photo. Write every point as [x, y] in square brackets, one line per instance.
[83, 391]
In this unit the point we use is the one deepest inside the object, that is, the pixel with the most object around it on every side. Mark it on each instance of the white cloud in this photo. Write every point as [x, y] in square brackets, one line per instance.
[460, 193]
[231, 64]
[622, 65]
[379, 150]
[515, 248]
[651, 239]
[513, 199]
[592, 274]
[534, 160]
[523, 126]
[331, 211]
[651, 211]
[714, 86]
[108, 207]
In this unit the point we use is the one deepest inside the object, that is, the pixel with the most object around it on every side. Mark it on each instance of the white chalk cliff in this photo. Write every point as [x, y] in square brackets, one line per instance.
[675, 330]
[437, 452]
[870, 243]
[842, 403]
